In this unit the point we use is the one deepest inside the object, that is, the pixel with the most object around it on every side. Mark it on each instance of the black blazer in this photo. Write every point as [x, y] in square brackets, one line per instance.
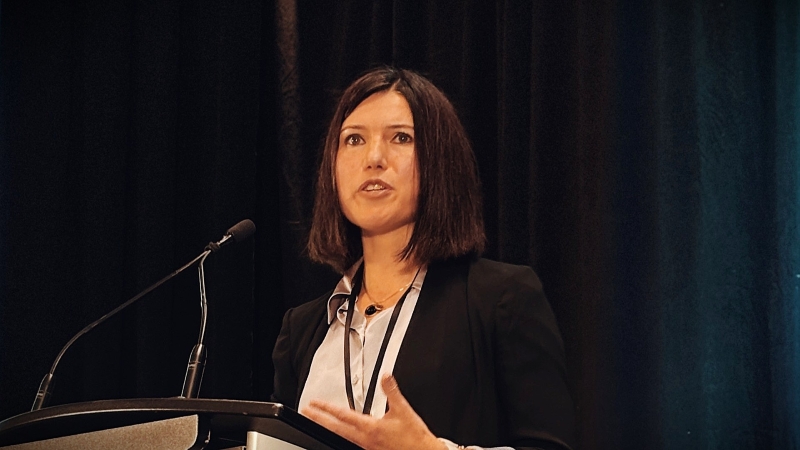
[482, 361]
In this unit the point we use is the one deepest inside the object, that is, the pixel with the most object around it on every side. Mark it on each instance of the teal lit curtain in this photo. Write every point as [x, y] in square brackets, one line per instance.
[784, 277]
[726, 241]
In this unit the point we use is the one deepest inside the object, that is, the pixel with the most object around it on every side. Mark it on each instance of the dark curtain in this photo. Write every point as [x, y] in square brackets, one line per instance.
[643, 157]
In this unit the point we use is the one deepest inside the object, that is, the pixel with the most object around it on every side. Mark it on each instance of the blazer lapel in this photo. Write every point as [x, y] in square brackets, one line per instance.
[428, 355]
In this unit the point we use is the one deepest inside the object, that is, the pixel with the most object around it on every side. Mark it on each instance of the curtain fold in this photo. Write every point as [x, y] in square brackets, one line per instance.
[784, 289]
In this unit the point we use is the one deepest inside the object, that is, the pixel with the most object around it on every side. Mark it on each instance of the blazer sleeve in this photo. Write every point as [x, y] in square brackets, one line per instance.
[285, 381]
[302, 332]
[530, 368]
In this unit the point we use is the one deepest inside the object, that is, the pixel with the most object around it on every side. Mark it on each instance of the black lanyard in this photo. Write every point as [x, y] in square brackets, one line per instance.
[351, 305]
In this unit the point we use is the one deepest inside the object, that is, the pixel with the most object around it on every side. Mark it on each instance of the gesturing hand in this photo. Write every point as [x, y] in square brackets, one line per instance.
[400, 428]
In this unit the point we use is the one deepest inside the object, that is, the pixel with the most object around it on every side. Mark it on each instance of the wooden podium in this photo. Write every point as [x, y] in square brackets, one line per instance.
[167, 424]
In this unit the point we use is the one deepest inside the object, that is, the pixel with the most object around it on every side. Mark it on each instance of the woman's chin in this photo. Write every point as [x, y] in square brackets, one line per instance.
[370, 229]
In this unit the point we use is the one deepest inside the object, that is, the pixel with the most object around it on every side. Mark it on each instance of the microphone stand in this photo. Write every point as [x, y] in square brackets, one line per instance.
[197, 359]
[46, 386]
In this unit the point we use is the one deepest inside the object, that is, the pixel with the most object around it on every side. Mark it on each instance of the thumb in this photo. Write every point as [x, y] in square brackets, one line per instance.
[394, 397]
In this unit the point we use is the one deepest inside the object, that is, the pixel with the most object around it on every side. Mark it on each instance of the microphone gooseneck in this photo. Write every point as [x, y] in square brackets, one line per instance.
[236, 233]
[197, 359]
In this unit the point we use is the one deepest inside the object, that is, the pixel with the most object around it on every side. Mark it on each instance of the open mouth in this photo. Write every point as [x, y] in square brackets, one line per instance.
[375, 186]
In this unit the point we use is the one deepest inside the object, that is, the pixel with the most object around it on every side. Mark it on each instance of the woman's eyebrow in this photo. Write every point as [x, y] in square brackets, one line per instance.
[401, 125]
[362, 127]
[351, 127]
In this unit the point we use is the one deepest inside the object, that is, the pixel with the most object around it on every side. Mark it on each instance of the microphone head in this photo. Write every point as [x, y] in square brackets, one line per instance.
[242, 230]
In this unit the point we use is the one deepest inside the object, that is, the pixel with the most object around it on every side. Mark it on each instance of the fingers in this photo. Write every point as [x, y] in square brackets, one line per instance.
[400, 428]
[331, 417]
[341, 421]
[340, 413]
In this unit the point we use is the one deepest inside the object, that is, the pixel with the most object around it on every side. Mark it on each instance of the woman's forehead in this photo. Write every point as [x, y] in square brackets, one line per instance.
[388, 108]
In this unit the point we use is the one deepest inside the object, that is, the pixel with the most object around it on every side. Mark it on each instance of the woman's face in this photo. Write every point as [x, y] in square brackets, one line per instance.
[376, 165]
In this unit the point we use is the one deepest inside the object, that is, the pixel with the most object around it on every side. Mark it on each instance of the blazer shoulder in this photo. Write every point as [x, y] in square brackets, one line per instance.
[310, 311]
[486, 273]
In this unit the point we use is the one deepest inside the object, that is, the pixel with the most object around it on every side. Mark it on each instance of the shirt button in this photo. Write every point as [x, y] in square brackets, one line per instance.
[356, 379]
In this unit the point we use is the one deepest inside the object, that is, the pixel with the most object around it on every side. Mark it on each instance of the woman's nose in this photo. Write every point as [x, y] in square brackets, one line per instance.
[376, 155]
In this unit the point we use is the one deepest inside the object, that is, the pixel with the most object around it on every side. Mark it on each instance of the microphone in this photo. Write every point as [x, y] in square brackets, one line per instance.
[237, 233]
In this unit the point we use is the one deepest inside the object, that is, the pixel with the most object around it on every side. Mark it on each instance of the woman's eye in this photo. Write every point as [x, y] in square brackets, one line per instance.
[403, 138]
[353, 139]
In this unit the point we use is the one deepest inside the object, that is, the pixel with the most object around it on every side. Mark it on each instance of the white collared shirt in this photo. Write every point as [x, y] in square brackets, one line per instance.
[326, 376]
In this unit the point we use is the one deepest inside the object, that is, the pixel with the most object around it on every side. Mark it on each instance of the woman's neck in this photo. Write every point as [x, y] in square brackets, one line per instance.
[384, 271]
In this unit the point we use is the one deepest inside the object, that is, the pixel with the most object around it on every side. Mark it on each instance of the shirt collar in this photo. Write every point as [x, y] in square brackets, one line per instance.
[342, 291]
[345, 287]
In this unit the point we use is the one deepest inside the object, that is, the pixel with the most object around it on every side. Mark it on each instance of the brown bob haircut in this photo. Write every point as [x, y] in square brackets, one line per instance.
[449, 219]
